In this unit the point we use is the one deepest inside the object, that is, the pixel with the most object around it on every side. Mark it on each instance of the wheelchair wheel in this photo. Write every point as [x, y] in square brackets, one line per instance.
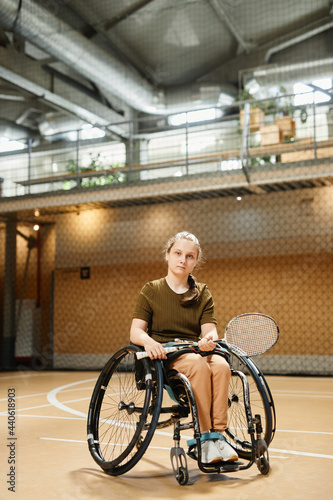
[124, 410]
[260, 400]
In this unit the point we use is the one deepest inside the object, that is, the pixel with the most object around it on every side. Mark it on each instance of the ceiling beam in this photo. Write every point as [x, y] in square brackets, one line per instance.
[221, 12]
[125, 13]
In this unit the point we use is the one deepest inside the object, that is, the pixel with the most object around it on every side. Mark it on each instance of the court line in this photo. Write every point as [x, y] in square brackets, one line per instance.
[150, 446]
[45, 406]
[45, 393]
[50, 416]
[85, 442]
[306, 432]
[301, 453]
[52, 398]
[276, 450]
[162, 433]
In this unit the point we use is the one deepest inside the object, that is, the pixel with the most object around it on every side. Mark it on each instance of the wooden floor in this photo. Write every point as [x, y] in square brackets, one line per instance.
[52, 461]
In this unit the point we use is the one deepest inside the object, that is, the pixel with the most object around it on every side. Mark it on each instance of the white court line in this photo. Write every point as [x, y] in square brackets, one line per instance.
[305, 432]
[288, 452]
[84, 417]
[45, 393]
[301, 453]
[161, 433]
[150, 447]
[51, 416]
[52, 398]
[28, 396]
[44, 406]
[85, 442]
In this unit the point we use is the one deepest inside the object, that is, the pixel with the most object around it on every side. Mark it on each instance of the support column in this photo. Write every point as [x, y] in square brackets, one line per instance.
[9, 330]
[136, 153]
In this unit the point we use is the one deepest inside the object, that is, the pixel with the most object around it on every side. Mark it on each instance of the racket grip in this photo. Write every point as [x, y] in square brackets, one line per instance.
[144, 354]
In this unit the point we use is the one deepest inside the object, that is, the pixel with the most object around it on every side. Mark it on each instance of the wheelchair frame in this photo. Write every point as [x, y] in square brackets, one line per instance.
[126, 406]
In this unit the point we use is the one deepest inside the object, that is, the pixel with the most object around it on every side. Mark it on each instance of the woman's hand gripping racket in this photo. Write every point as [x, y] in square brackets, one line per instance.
[179, 344]
[248, 334]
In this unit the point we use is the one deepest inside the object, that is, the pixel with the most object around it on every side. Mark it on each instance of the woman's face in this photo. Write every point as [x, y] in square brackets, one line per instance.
[182, 257]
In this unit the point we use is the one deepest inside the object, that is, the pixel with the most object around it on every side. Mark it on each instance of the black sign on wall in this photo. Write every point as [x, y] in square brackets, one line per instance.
[85, 273]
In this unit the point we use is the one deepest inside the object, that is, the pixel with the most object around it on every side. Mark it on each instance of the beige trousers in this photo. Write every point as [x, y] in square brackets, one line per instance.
[209, 377]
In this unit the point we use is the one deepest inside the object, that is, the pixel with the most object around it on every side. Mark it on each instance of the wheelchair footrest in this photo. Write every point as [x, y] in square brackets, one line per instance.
[230, 466]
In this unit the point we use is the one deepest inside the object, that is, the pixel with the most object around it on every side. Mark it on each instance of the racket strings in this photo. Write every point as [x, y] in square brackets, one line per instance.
[253, 333]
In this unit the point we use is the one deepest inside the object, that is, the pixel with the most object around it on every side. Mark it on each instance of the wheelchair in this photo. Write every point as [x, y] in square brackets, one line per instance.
[126, 409]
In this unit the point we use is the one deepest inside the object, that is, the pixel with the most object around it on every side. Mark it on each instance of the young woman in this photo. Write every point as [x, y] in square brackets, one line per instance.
[177, 307]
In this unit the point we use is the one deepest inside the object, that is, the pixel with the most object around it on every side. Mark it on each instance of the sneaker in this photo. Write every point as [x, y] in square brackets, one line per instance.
[227, 453]
[209, 452]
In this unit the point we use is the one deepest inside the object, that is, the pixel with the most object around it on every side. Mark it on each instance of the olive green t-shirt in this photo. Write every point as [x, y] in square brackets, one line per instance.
[167, 319]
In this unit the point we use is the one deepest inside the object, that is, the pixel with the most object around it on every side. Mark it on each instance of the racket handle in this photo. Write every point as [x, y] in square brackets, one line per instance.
[144, 354]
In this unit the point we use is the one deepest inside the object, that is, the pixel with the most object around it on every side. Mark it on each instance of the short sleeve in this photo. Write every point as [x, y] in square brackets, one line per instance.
[208, 315]
[143, 308]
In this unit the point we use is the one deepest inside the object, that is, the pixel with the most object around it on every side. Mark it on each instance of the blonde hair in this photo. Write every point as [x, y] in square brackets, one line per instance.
[184, 235]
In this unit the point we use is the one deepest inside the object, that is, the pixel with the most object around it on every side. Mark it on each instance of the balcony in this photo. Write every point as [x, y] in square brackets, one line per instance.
[246, 150]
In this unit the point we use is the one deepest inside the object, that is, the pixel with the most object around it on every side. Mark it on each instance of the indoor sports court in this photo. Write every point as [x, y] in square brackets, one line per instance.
[53, 457]
[123, 124]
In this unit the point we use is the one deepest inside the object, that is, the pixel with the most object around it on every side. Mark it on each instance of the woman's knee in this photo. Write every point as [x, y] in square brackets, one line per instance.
[220, 366]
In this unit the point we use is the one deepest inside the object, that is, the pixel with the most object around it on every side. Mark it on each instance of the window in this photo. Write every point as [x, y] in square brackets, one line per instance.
[306, 94]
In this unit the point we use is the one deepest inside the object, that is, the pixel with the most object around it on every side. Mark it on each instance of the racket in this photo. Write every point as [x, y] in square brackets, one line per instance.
[248, 334]
[251, 334]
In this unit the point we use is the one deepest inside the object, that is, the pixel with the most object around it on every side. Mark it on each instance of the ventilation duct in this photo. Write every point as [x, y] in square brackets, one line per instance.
[14, 132]
[43, 29]
[53, 124]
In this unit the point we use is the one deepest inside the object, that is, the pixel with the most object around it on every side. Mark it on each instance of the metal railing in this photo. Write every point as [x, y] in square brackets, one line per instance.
[260, 135]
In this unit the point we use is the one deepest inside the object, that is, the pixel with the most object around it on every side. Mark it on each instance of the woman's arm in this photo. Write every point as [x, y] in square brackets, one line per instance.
[208, 335]
[139, 336]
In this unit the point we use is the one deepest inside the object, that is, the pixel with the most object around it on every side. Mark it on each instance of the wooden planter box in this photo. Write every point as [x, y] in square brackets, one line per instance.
[269, 134]
[286, 126]
[257, 119]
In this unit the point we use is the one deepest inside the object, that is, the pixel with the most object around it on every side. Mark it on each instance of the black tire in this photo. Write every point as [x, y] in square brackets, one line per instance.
[261, 403]
[182, 476]
[124, 410]
[264, 466]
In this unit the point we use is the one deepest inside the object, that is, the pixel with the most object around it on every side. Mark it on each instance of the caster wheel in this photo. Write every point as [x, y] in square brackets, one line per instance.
[182, 476]
[263, 466]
